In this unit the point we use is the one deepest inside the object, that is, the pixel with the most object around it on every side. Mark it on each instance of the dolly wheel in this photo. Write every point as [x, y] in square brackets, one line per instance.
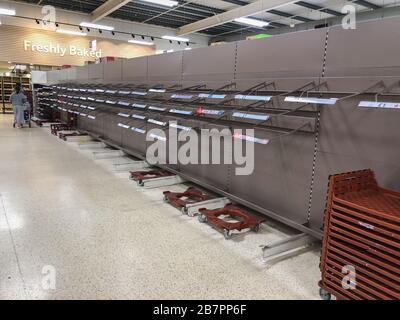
[325, 295]
[202, 218]
[227, 234]
[165, 199]
[184, 210]
[256, 228]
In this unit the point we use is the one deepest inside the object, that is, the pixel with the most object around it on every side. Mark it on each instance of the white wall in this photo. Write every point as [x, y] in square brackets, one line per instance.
[34, 11]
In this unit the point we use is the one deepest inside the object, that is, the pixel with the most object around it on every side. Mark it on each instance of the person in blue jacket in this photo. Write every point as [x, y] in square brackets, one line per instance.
[18, 100]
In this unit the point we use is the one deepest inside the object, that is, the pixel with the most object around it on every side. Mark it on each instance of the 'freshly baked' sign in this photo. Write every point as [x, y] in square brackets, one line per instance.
[62, 51]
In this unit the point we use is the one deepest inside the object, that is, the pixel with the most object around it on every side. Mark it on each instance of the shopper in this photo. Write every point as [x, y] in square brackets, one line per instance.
[18, 100]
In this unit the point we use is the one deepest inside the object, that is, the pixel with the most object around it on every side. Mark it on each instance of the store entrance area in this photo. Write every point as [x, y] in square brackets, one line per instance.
[62, 212]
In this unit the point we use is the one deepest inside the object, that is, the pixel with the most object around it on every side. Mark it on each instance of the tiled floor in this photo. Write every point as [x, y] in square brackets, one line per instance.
[105, 238]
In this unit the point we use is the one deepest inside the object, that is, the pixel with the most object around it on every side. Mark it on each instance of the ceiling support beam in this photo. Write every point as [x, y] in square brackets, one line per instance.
[289, 15]
[367, 4]
[318, 8]
[228, 16]
[106, 8]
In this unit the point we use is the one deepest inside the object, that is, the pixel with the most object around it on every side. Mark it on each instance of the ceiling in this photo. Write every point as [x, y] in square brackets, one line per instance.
[189, 11]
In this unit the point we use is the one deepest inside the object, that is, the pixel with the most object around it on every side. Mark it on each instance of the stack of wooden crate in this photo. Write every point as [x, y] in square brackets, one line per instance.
[361, 234]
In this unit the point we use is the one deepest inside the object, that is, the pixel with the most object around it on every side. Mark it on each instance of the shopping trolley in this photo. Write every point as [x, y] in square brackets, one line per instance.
[27, 115]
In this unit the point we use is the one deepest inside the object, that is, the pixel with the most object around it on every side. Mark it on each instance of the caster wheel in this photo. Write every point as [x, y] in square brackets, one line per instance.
[256, 228]
[325, 295]
[202, 218]
[227, 234]
[140, 183]
[165, 199]
[184, 210]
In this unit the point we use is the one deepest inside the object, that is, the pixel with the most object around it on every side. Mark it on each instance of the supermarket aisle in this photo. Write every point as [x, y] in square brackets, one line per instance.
[61, 212]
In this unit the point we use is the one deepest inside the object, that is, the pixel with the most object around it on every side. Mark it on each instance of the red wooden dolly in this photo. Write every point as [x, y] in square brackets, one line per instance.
[55, 127]
[180, 199]
[244, 219]
[64, 136]
[139, 176]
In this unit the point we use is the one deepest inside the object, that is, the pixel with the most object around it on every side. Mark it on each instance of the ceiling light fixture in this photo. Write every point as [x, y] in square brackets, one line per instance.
[145, 43]
[75, 33]
[96, 26]
[252, 22]
[7, 12]
[175, 38]
[167, 3]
